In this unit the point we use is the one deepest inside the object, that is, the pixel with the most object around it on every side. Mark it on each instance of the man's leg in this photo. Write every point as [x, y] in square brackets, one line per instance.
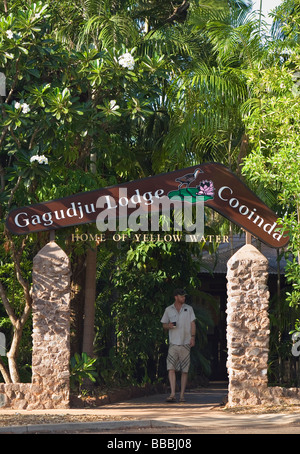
[184, 377]
[172, 359]
[172, 380]
[185, 365]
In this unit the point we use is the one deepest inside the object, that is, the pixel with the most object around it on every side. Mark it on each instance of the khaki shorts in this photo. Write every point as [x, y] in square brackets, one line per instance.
[179, 358]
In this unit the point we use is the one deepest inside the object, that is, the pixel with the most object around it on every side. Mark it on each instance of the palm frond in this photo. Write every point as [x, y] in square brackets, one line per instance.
[237, 42]
[109, 30]
[250, 106]
[179, 42]
[234, 33]
[206, 85]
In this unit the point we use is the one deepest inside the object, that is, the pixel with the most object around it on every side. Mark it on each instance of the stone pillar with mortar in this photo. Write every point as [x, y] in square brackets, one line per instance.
[51, 336]
[51, 326]
[247, 327]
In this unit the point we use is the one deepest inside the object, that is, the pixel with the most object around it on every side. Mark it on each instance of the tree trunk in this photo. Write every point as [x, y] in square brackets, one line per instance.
[89, 306]
[242, 154]
[90, 288]
[77, 302]
[4, 372]
[298, 217]
[12, 362]
[17, 323]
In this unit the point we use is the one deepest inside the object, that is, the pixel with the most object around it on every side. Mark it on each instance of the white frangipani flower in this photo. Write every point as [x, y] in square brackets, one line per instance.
[126, 61]
[25, 108]
[9, 34]
[40, 159]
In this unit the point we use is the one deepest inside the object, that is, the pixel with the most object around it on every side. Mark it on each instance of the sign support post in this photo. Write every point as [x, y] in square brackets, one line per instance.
[248, 238]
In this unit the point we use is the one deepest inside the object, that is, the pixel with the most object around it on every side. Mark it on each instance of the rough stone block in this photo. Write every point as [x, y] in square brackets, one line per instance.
[2, 400]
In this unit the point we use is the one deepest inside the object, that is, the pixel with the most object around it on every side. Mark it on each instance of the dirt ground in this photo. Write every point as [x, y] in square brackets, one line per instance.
[261, 410]
[24, 420]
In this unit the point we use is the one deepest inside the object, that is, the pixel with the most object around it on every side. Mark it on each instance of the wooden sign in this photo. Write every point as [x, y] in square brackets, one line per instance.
[211, 183]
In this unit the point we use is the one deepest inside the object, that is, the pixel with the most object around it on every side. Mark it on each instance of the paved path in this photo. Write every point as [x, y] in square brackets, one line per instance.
[201, 410]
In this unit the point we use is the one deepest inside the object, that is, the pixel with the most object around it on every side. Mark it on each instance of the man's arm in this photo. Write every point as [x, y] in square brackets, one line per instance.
[165, 320]
[193, 333]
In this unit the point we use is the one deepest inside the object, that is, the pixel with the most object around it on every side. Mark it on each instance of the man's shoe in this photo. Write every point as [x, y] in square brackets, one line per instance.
[171, 399]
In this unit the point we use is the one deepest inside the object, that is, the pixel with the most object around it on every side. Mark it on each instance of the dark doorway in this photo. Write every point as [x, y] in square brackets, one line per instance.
[217, 344]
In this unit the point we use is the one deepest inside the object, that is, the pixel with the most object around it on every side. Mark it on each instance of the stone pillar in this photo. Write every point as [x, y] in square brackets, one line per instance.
[51, 337]
[247, 327]
[51, 326]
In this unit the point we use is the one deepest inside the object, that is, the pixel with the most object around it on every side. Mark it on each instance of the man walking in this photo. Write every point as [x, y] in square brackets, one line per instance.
[179, 320]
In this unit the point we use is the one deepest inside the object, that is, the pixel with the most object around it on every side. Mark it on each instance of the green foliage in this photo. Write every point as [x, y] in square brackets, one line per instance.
[272, 122]
[66, 103]
[207, 95]
[82, 368]
[271, 117]
[281, 362]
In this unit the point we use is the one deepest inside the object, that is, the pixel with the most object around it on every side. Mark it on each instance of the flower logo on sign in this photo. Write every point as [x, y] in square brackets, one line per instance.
[206, 190]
